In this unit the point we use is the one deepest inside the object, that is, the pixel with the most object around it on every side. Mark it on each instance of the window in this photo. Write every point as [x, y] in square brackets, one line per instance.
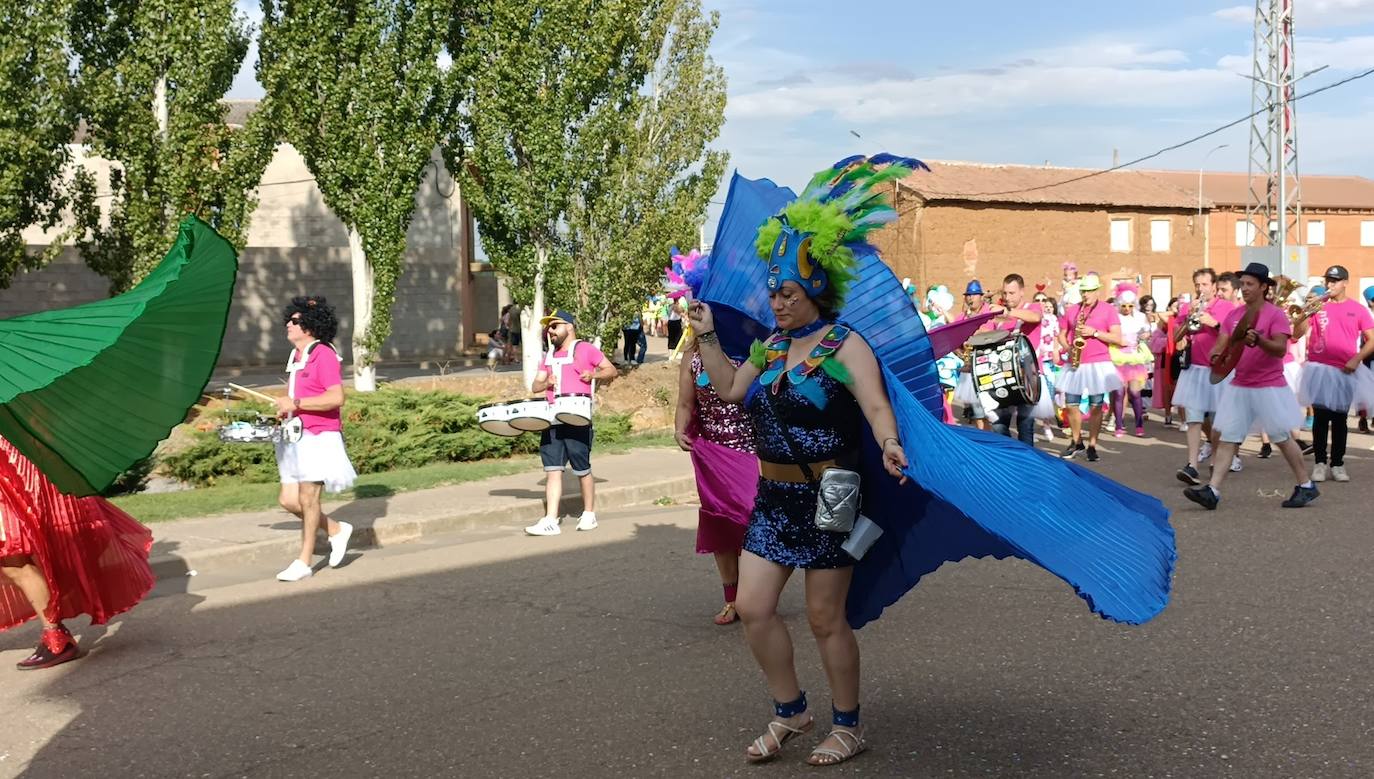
[1161, 289]
[1245, 233]
[1367, 233]
[1121, 235]
[1316, 232]
[1159, 235]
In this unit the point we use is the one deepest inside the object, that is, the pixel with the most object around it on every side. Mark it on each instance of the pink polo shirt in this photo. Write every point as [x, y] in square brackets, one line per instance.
[1258, 368]
[585, 358]
[1100, 317]
[1030, 331]
[1335, 334]
[321, 372]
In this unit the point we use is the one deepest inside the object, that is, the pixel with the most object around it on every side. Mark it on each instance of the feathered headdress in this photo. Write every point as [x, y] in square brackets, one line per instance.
[812, 241]
[686, 275]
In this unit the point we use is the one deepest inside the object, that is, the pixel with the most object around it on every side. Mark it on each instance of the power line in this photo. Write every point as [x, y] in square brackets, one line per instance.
[1152, 155]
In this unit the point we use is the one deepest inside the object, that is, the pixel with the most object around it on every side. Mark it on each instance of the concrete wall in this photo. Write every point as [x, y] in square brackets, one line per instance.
[297, 246]
[949, 243]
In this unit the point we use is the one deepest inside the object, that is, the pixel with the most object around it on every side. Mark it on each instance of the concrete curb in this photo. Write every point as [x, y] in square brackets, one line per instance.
[387, 531]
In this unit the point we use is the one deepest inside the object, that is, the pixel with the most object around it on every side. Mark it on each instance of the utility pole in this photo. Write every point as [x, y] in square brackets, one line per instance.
[1275, 208]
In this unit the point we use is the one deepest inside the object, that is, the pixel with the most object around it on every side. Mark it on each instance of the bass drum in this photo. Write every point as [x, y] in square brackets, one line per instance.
[1006, 371]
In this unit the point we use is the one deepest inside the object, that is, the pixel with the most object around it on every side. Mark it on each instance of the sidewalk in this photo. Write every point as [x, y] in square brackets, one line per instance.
[232, 540]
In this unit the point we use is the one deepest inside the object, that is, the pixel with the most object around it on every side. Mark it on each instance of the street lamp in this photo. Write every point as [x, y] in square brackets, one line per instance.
[1206, 226]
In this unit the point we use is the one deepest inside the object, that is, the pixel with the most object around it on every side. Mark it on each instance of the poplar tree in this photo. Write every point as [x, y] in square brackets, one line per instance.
[657, 176]
[150, 81]
[37, 123]
[357, 88]
[538, 74]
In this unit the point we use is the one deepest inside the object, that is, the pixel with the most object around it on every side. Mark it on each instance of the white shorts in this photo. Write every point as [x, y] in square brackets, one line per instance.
[1247, 411]
[1090, 378]
[317, 457]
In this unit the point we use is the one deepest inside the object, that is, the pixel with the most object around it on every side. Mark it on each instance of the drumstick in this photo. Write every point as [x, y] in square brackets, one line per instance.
[254, 393]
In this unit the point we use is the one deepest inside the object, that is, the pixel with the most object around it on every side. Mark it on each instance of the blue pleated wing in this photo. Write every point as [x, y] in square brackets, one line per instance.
[972, 494]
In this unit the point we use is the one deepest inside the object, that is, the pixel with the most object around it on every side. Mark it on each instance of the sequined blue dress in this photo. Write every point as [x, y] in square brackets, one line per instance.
[790, 428]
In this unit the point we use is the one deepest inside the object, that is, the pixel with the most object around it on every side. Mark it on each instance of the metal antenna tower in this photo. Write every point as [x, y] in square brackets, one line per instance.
[1275, 208]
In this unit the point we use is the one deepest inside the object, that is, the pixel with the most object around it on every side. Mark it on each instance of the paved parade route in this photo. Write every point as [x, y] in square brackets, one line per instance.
[486, 653]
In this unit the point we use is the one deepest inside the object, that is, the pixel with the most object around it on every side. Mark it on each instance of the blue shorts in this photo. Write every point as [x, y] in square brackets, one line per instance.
[562, 445]
[1093, 400]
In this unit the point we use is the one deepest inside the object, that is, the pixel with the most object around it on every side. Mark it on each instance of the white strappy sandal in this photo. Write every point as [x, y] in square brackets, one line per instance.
[851, 744]
[781, 733]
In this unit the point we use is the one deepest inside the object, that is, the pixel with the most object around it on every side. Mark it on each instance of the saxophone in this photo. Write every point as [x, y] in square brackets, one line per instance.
[1076, 351]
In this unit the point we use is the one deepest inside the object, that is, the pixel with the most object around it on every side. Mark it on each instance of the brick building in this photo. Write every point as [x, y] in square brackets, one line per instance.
[444, 298]
[1337, 219]
[966, 220]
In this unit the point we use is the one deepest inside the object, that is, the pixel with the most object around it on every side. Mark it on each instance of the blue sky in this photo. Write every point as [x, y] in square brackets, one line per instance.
[1063, 82]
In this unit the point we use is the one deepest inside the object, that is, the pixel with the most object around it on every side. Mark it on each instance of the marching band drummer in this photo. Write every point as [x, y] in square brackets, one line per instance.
[1258, 398]
[1019, 314]
[1095, 325]
[975, 303]
[569, 368]
[317, 461]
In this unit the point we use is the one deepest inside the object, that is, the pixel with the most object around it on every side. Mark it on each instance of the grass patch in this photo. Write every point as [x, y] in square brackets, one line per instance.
[229, 497]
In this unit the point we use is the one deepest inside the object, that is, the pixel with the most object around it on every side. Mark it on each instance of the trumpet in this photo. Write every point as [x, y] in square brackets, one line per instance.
[1308, 310]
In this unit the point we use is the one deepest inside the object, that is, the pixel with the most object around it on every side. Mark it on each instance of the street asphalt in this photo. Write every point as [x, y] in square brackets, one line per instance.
[489, 654]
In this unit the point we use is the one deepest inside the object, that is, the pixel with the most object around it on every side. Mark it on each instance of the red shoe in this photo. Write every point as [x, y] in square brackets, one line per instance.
[55, 647]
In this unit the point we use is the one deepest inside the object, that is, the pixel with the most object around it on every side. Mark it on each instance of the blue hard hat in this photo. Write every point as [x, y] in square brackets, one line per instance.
[1318, 290]
[1369, 292]
[973, 288]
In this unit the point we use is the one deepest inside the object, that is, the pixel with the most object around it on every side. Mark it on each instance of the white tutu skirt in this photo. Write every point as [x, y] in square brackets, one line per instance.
[1292, 373]
[1334, 389]
[1091, 378]
[1045, 408]
[1247, 411]
[1196, 392]
[965, 396]
[1364, 390]
[317, 457]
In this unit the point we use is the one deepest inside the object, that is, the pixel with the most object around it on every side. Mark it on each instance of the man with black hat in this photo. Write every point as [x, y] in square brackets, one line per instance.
[569, 368]
[1258, 396]
[1334, 375]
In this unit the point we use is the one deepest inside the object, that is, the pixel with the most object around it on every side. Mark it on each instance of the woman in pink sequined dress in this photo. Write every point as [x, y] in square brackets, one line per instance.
[720, 438]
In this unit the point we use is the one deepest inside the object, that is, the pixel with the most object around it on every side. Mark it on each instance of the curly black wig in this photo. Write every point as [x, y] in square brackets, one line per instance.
[317, 317]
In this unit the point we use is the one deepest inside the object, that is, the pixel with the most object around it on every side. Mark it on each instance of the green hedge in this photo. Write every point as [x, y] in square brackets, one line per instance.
[390, 429]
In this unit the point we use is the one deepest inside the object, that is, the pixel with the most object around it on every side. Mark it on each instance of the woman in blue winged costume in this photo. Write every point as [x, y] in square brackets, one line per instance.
[846, 382]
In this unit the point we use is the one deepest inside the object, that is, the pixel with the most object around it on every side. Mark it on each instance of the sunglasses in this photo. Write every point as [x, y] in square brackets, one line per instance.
[295, 320]
[1042, 300]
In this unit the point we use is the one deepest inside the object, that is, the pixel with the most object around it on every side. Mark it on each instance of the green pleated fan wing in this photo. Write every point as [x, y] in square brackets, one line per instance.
[85, 392]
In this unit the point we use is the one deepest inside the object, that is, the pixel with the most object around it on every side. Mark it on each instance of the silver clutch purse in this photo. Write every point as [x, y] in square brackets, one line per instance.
[837, 500]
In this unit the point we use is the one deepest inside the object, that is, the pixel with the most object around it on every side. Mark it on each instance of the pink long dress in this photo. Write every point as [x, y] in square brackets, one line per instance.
[727, 469]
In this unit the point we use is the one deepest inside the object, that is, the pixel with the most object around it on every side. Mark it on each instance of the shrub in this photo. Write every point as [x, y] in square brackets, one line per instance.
[386, 430]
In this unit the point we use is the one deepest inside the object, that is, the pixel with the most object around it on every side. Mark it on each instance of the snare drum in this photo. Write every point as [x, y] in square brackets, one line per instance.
[263, 430]
[573, 409]
[1005, 369]
[495, 419]
[531, 416]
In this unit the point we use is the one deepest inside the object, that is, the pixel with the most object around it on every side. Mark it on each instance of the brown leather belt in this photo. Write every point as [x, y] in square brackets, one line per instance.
[793, 474]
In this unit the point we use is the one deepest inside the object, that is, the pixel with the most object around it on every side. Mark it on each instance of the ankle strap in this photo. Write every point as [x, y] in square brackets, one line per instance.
[790, 708]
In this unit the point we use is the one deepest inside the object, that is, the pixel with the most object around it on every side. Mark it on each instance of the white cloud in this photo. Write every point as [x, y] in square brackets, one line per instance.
[1311, 14]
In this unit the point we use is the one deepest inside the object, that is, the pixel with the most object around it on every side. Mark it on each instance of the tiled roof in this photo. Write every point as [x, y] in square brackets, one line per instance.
[1233, 189]
[1032, 184]
[970, 181]
[237, 114]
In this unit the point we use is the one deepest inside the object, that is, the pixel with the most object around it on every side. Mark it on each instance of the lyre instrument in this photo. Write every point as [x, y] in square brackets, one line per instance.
[1226, 361]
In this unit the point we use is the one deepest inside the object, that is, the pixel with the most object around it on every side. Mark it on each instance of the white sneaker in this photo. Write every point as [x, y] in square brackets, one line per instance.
[1205, 452]
[338, 544]
[1235, 464]
[1049, 434]
[1319, 472]
[587, 521]
[296, 571]
[1182, 427]
[548, 526]
[1338, 473]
